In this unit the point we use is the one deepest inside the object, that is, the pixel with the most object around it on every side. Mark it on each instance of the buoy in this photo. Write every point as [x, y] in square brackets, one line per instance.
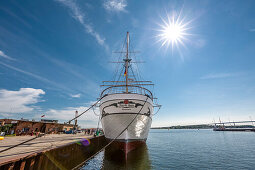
[1, 138]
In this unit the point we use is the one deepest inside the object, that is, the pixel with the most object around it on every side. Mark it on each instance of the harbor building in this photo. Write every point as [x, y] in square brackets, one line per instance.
[26, 127]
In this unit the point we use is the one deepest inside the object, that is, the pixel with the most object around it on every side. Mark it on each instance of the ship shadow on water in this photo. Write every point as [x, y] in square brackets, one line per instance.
[70, 156]
[114, 158]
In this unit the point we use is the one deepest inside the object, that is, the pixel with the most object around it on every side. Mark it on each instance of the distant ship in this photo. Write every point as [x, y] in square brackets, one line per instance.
[126, 106]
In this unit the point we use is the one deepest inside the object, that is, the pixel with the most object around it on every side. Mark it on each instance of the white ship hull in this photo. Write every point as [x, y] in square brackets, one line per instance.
[116, 116]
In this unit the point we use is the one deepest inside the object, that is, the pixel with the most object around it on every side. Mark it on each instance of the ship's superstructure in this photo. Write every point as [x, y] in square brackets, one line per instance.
[126, 106]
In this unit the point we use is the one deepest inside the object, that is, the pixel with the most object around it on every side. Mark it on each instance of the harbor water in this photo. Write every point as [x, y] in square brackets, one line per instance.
[184, 149]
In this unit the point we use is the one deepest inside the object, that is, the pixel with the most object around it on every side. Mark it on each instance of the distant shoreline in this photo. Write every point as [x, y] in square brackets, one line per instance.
[186, 127]
[200, 127]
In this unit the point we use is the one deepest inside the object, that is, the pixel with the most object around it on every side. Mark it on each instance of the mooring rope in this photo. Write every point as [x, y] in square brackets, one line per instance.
[76, 167]
[49, 131]
[85, 111]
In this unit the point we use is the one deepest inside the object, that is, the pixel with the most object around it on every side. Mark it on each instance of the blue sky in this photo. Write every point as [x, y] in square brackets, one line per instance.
[54, 55]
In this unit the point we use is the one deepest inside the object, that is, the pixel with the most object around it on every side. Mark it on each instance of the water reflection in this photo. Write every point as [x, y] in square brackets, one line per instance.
[136, 159]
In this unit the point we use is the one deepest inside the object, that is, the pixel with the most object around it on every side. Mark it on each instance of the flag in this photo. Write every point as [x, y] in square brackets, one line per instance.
[126, 101]
[42, 115]
[125, 73]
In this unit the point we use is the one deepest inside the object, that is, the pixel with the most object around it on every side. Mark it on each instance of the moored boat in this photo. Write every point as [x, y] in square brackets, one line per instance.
[126, 106]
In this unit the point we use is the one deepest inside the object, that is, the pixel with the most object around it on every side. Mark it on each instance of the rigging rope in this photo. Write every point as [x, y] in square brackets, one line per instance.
[119, 60]
[157, 110]
[114, 138]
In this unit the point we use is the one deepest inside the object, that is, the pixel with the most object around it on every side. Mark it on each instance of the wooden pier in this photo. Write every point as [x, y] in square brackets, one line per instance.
[43, 150]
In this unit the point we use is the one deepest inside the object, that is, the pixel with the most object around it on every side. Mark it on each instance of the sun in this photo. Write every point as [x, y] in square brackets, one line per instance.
[173, 31]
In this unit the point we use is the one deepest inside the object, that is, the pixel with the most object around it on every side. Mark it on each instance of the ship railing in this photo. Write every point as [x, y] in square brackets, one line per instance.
[132, 89]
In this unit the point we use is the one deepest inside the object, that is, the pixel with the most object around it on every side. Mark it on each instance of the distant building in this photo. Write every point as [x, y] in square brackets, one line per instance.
[25, 127]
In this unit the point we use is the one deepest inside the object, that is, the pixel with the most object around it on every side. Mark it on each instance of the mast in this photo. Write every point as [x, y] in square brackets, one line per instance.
[126, 63]
[128, 83]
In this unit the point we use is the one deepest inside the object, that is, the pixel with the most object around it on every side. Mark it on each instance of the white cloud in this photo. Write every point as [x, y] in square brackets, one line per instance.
[219, 75]
[75, 95]
[19, 101]
[115, 5]
[2, 54]
[79, 15]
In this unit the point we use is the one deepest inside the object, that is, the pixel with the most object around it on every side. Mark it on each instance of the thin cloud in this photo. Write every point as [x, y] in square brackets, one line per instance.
[66, 67]
[2, 54]
[200, 43]
[6, 115]
[76, 71]
[25, 72]
[115, 5]
[75, 95]
[252, 30]
[219, 75]
[36, 77]
[19, 101]
[16, 17]
[80, 16]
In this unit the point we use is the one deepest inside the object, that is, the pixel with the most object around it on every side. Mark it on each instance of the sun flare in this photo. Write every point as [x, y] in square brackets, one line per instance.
[173, 32]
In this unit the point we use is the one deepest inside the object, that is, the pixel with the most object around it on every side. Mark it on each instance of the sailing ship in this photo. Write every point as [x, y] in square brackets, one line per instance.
[126, 105]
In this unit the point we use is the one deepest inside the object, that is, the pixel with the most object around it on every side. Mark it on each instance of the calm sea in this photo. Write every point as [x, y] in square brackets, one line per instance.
[185, 149]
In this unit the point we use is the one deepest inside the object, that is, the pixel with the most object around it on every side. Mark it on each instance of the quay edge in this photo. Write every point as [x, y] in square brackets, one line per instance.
[63, 157]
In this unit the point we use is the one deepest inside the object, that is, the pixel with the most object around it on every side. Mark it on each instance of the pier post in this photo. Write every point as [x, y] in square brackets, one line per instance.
[22, 165]
[32, 163]
[11, 166]
[40, 161]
